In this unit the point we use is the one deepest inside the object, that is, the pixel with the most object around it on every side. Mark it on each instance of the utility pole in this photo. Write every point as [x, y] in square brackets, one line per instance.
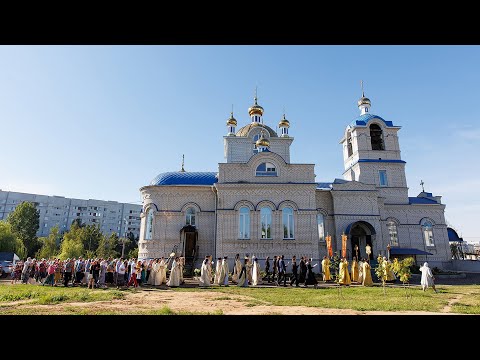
[125, 238]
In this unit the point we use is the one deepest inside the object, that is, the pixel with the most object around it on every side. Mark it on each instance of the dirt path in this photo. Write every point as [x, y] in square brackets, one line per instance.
[448, 308]
[203, 302]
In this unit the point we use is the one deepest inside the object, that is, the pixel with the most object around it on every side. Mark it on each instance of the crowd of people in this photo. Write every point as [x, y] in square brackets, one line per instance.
[100, 273]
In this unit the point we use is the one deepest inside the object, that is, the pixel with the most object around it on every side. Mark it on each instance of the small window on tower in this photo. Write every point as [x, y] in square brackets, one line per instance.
[383, 177]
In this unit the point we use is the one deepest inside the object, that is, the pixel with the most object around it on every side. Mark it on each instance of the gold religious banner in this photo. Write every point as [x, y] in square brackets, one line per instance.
[344, 245]
[328, 239]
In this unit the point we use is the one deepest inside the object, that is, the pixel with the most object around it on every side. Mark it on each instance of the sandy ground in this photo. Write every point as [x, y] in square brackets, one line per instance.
[202, 302]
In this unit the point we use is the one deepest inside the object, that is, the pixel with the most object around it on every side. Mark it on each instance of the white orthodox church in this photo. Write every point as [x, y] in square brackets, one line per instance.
[259, 203]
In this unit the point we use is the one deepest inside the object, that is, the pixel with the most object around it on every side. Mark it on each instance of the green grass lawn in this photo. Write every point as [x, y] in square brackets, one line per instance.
[53, 295]
[465, 299]
[364, 298]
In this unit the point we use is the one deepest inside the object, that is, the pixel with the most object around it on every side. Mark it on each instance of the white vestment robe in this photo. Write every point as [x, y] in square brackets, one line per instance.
[174, 275]
[205, 274]
[256, 276]
[161, 274]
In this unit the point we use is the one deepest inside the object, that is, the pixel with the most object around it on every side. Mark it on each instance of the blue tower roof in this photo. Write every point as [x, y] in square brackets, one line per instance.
[363, 119]
[185, 178]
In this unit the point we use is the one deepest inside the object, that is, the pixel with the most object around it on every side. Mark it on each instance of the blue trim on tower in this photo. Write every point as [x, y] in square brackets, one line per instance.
[185, 178]
[362, 120]
[382, 161]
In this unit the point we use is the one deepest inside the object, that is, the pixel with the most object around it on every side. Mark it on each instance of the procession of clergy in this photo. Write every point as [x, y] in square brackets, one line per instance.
[249, 272]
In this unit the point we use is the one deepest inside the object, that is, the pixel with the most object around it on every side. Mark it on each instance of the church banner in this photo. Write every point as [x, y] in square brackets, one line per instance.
[344, 245]
[328, 239]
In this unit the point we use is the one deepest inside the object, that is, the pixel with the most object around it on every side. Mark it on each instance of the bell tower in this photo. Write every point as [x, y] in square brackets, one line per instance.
[371, 154]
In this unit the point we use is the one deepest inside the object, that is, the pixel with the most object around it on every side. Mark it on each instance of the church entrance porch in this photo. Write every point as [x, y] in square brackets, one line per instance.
[361, 234]
[189, 248]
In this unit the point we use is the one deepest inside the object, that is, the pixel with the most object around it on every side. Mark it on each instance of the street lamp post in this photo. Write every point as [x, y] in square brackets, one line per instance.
[125, 238]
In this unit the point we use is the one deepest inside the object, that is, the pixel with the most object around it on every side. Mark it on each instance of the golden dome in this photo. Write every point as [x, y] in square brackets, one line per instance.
[262, 141]
[255, 109]
[284, 122]
[364, 101]
[231, 121]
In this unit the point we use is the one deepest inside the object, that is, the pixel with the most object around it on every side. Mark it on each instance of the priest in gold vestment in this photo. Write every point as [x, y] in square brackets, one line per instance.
[354, 270]
[344, 276]
[367, 274]
[326, 269]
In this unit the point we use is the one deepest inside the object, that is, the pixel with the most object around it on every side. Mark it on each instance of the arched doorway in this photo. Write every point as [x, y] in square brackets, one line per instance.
[361, 234]
[188, 240]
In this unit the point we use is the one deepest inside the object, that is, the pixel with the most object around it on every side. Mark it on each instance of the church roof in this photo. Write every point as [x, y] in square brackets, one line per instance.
[185, 178]
[453, 236]
[363, 119]
[244, 130]
[420, 200]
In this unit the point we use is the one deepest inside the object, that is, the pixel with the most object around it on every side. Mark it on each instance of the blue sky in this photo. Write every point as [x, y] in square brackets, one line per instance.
[101, 121]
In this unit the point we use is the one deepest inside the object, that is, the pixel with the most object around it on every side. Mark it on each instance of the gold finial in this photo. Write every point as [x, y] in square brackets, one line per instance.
[422, 183]
[361, 85]
[183, 163]
[255, 98]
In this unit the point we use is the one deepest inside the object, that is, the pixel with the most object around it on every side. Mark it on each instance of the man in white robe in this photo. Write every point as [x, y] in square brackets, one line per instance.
[427, 277]
[161, 274]
[237, 267]
[218, 269]
[256, 275]
[249, 267]
[205, 273]
[223, 279]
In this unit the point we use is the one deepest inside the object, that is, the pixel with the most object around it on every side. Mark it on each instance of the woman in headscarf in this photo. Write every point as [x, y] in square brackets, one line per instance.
[205, 273]
[256, 276]
[427, 277]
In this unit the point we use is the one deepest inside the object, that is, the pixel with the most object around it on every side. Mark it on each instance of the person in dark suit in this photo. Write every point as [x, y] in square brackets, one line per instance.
[303, 271]
[294, 277]
[267, 268]
[275, 267]
[282, 271]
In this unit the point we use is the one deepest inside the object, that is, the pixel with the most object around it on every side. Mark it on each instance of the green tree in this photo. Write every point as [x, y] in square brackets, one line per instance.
[91, 236]
[72, 244]
[49, 244]
[107, 246]
[379, 271]
[8, 241]
[133, 253]
[78, 221]
[402, 269]
[25, 223]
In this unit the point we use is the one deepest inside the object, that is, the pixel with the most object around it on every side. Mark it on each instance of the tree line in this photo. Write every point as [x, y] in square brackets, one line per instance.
[18, 233]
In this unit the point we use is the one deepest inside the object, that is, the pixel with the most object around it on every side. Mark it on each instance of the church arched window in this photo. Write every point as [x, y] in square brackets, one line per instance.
[190, 216]
[266, 222]
[427, 230]
[244, 223]
[376, 137]
[149, 225]
[393, 232]
[266, 169]
[288, 224]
